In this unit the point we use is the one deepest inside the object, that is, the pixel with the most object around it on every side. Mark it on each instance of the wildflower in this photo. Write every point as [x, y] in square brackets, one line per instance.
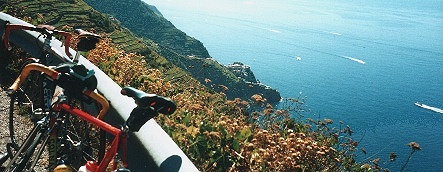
[321, 152]
[329, 121]
[257, 98]
[392, 156]
[366, 166]
[224, 88]
[363, 150]
[414, 146]
[375, 161]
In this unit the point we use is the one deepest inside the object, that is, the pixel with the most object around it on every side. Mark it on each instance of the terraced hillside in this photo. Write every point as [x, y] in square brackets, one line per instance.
[71, 14]
[184, 51]
[145, 20]
[215, 133]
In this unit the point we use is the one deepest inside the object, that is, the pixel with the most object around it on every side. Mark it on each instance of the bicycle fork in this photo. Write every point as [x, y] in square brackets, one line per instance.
[21, 157]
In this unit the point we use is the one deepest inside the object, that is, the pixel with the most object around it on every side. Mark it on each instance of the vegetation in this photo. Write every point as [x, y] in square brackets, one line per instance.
[180, 49]
[158, 34]
[220, 134]
[149, 23]
[216, 133]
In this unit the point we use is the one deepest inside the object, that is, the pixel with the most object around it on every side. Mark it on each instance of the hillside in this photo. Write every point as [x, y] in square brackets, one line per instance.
[214, 132]
[180, 49]
[71, 14]
[146, 21]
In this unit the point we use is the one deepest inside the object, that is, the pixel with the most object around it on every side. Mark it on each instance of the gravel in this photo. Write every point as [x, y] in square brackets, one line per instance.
[22, 126]
[4, 134]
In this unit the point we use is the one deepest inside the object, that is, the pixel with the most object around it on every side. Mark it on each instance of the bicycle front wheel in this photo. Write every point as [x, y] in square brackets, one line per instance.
[25, 107]
[25, 158]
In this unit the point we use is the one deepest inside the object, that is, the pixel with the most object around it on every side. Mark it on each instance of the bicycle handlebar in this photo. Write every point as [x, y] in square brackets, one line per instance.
[25, 72]
[46, 30]
[54, 75]
[101, 100]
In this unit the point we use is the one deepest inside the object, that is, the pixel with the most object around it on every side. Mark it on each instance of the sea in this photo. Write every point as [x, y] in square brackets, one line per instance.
[375, 65]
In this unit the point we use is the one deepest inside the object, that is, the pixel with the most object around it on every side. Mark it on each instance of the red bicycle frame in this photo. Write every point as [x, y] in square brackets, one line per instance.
[120, 136]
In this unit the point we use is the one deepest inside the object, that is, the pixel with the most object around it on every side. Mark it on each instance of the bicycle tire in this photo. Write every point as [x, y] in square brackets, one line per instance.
[78, 130]
[24, 103]
[23, 156]
[68, 135]
[82, 141]
[29, 157]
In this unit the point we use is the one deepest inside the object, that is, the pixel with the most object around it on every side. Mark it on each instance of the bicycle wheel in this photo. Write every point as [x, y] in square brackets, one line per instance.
[25, 107]
[25, 158]
[81, 140]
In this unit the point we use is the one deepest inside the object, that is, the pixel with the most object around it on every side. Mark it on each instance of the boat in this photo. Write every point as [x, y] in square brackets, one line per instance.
[428, 107]
[418, 104]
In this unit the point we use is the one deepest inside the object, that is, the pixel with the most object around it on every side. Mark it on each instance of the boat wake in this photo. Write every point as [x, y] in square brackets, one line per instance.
[274, 30]
[354, 59]
[429, 107]
[334, 33]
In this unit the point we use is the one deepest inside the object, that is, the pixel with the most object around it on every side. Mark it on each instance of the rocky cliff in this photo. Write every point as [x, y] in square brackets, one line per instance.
[242, 71]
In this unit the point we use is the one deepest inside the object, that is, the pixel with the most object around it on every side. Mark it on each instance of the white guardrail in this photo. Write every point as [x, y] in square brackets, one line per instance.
[150, 149]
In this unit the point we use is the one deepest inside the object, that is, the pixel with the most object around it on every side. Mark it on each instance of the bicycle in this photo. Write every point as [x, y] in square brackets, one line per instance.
[87, 41]
[148, 106]
[39, 102]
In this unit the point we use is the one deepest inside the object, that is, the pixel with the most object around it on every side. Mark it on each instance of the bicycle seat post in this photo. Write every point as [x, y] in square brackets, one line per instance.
[76, 57]
[47, 43]
[46, 47]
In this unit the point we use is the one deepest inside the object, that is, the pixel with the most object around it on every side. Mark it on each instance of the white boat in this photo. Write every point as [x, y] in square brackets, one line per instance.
[418, 104]
[428, 107]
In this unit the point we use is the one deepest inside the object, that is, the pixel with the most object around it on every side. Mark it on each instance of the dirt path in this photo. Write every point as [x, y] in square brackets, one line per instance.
[4, 110]
[22, 126]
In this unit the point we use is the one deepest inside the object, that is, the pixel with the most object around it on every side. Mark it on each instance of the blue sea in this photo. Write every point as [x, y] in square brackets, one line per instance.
[361, 62]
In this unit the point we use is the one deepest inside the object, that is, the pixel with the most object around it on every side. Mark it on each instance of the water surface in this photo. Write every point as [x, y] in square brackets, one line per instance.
[364, 63]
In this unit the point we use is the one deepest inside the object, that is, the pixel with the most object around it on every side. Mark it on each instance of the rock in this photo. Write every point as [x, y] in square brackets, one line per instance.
[245, 73]
[242, 71]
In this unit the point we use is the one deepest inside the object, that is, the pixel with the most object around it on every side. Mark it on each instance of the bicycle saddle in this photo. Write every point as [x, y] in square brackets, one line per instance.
[148, 106]
[47, 27]
[83, 33]
[87, 40]
[144, 100]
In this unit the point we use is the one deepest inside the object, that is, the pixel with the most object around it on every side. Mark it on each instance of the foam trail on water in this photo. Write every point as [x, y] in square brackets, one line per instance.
[271, 30]
[334, 33]
[429, 107]
[274, 30]
[354, 59]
